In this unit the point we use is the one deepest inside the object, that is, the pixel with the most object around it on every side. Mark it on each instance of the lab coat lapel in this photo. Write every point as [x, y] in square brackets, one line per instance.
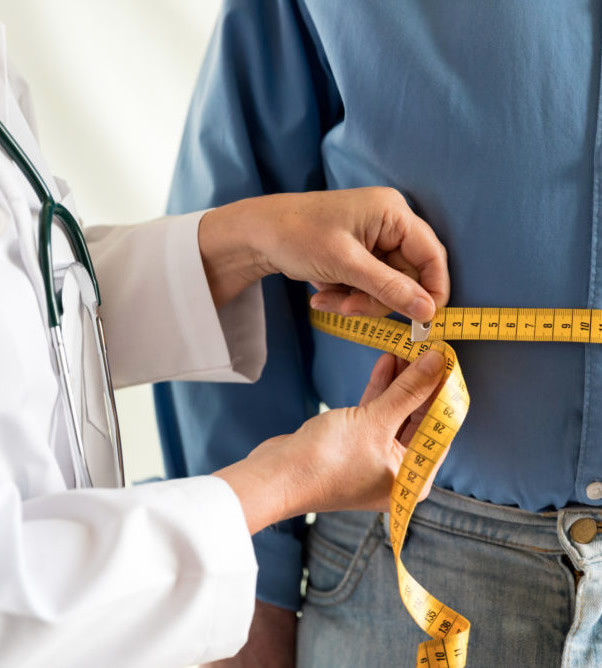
[25, 206]
[19, 126]
[3, 77]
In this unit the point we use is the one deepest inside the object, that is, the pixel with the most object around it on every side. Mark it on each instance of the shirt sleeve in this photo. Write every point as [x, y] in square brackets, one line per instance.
[263, 102]
[157, 575]
[160, 320]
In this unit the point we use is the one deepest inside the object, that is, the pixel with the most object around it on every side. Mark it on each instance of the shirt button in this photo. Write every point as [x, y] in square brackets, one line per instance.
[594, 491]
[584, 530]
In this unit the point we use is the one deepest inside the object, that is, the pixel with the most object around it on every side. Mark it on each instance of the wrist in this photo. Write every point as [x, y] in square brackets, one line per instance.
[229, 239]
[275, 482]
[263, 489]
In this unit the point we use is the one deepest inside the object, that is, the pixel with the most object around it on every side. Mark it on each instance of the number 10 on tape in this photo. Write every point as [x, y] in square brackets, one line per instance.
[448, 630]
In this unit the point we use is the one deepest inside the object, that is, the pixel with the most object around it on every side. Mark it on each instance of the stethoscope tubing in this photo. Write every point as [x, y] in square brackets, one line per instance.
[50, 212]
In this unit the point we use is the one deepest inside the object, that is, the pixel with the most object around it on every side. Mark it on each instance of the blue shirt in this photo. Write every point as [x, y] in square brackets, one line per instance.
[486, 116]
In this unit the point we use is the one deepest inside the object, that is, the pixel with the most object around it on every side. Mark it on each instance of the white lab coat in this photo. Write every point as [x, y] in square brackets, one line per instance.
[157, 575]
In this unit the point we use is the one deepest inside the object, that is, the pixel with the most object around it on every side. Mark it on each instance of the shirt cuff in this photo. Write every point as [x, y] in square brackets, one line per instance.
[279, 555]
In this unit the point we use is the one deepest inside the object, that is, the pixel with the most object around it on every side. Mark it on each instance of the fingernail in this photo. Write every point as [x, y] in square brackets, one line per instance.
[421, 309]
[431, 362]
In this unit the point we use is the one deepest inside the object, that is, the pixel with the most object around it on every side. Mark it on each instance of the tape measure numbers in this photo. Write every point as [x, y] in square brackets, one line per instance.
[449, 631]
[517, 324]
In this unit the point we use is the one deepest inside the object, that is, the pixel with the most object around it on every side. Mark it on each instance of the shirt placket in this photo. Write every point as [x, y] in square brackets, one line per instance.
[588, 481]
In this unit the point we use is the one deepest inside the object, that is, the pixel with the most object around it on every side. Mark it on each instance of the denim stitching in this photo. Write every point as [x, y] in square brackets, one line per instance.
[353, 574]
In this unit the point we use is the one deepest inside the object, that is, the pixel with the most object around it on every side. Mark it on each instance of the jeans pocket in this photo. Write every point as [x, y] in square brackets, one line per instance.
[336, 566]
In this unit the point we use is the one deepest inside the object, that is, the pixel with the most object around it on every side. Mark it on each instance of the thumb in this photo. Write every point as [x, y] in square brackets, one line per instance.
[390, 287]
[410, 389]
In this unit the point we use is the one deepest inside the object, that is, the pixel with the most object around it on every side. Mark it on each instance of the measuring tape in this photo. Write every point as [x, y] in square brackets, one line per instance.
[449, 631]
[517, 324]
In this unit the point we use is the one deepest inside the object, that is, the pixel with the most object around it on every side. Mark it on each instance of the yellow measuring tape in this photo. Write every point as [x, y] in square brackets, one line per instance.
[449, 631]
[518, 324]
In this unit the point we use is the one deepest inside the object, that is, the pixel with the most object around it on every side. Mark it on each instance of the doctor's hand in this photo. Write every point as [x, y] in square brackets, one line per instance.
[364, 250]
[345, 459]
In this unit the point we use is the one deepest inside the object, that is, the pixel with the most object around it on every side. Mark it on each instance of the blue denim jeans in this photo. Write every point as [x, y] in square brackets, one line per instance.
[512, 573]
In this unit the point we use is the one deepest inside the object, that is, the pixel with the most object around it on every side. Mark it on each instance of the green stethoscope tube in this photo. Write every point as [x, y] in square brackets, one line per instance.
[50, 211]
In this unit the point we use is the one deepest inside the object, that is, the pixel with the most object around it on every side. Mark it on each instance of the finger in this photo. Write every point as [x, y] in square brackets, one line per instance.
[335, 287]
[413, 422]
[410, 389]
[397, 261]
[389, 287]
[402, 231]
[408, 431]
[400, 365]
[380, 378]
[411, 425]
[349, 302]
[360, 303]
[431, 479]
[420, 247]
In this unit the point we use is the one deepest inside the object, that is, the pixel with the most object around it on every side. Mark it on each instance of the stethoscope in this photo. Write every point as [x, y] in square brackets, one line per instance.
[82, 271]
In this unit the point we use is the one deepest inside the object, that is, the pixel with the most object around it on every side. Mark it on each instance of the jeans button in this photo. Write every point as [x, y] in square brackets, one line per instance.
[584, 530]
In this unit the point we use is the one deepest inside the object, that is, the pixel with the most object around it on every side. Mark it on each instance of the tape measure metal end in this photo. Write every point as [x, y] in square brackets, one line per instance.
[420, 330]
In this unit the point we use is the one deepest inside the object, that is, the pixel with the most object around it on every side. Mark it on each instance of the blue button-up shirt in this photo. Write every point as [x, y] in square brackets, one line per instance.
[486, 116]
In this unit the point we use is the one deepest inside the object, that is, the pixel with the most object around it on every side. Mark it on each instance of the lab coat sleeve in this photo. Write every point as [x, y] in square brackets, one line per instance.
[160, 320]
[158, 575]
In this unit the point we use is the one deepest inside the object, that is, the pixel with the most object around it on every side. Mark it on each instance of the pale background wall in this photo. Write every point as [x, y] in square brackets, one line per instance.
[111, 80]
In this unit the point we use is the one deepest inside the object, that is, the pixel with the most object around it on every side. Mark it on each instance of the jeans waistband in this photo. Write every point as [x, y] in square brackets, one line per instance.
[503, 525]
[447, 511]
